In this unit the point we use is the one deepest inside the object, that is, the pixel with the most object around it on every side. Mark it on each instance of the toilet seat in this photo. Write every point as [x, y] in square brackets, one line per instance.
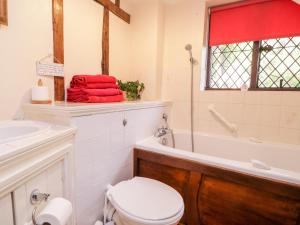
[147, 201]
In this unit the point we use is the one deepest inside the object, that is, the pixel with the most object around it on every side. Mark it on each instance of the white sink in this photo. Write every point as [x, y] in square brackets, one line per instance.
[15, 130]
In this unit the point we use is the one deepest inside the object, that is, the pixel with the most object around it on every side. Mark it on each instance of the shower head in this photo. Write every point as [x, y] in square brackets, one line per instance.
[188, 47]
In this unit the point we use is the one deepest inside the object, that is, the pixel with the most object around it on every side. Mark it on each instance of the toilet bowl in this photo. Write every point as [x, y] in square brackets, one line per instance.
[143, 201]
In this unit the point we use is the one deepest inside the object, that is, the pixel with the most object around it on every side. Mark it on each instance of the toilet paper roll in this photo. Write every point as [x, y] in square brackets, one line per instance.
[40, 94]
[57, 212]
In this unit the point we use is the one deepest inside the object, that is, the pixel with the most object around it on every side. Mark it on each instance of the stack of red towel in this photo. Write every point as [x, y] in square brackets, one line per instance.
[94, 89]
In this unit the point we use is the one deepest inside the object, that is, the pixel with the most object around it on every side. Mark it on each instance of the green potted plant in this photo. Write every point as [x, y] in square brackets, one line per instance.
[133, 89]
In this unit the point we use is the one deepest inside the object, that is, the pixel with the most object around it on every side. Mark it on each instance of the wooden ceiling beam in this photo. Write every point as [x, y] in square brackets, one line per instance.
[115, 9]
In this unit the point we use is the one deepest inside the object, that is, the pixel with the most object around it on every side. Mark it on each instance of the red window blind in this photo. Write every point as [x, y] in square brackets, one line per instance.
[254, 20]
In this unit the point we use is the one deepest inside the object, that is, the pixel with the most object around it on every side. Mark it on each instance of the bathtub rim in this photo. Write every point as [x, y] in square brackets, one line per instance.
[152, 144]
[249, 140]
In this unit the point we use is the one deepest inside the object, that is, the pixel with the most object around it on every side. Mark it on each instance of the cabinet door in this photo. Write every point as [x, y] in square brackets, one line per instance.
[6, 212]
[49, 181]
[223, 202]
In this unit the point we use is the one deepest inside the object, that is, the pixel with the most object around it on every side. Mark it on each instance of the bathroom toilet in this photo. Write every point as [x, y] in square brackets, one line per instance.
[143, 201]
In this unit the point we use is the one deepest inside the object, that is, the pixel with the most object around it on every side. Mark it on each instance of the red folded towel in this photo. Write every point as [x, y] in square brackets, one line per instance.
[97, 99]
[94, 89]
[83, 80]
[95, 85]
[94, 92]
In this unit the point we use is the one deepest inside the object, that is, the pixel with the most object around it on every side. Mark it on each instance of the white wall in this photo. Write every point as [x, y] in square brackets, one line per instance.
[147, 45]
[29, 38]
[83, 39]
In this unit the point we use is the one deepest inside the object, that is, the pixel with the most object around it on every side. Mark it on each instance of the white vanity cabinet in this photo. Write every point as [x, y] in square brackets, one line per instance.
[43, 162]
[49, 181]
[6, 210]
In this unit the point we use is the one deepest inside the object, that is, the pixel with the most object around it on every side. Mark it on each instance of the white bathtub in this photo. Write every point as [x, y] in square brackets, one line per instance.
[15, 130]
[247, 156]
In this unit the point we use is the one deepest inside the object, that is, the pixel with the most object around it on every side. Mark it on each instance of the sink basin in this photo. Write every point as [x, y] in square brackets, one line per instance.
[15, 130]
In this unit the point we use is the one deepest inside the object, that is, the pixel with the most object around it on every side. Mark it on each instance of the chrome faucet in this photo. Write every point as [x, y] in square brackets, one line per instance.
[164, 130]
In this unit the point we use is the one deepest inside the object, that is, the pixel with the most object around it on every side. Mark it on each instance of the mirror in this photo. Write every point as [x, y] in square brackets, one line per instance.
[3, 12]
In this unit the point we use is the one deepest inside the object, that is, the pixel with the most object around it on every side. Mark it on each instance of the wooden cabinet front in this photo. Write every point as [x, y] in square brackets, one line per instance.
[225, 202]
[215, 196]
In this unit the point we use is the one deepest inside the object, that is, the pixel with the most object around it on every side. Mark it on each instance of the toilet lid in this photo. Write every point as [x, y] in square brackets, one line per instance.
[146, 199]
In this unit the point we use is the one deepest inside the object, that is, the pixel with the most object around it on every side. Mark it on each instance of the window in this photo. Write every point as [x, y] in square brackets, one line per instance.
[250, 46]
[279, 65]
[232, 65]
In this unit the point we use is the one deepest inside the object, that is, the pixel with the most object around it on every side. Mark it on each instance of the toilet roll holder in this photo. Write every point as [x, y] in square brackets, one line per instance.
[36, 198]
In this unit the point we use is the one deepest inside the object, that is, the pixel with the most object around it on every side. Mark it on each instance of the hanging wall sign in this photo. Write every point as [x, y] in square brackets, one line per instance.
[49, 69]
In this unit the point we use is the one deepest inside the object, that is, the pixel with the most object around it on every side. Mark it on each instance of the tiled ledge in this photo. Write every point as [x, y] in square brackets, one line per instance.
[84, 109]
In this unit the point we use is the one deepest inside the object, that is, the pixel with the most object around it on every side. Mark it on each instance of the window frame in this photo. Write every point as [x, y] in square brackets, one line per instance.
[254, 75]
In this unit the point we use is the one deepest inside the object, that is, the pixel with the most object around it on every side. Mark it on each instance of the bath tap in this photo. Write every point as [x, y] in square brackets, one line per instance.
[165, 129]
[162, 132]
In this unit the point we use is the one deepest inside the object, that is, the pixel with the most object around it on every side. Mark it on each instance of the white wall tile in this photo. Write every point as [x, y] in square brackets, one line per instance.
[104, 154]
[290, 117]
[291, 98]
[254, 112]
[251, 115]
[252, 98]
[249, 131]
[270, 116]
[271, 97]
[291, 136]
[269, 133]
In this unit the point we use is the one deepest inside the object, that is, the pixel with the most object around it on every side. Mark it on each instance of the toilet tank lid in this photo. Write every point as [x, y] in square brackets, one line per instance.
[146, 199]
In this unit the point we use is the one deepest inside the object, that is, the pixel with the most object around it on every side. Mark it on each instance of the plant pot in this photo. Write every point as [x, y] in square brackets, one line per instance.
[131, 97]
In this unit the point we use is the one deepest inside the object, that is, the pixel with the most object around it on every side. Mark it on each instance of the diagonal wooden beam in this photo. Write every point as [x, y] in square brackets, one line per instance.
[115, 9]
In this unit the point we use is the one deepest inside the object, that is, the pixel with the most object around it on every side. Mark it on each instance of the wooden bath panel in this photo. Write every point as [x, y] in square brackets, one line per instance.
[217, 196]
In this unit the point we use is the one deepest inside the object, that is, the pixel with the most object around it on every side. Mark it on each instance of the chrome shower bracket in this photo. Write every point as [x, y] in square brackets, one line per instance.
[165, 117]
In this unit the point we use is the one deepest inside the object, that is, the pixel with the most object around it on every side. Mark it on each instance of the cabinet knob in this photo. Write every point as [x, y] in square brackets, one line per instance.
[124, 122]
